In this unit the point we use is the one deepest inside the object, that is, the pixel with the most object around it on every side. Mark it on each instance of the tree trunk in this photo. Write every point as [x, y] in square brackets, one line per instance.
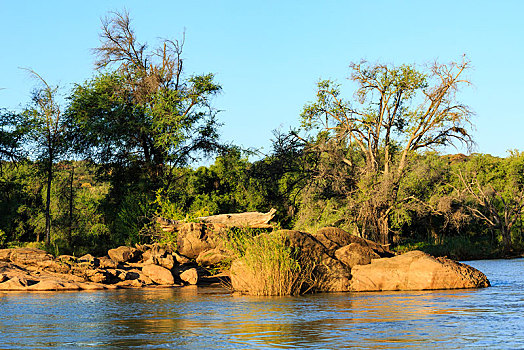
[383, 228]
[48, 202]
[71, 206]
[506, 237]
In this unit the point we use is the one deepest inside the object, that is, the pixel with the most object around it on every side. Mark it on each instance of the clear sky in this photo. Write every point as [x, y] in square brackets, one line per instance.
[268, 55]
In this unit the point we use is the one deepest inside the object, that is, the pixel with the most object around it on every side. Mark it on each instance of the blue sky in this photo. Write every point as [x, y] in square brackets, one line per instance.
[268, 55]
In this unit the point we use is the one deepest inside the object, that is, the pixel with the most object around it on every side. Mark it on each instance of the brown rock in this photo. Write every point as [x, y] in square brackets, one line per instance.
[415, 270]
[123, 254]
[190, 276]
[16, 283]
[194, 238]
[99, 276]
[213, 257]
[3, 277]
[334, 238]
[54, 266]
[5, 255]
[106, 263]
[355, 254]
[29, 256]
[181, 259]
[158, 274]
[135, 283]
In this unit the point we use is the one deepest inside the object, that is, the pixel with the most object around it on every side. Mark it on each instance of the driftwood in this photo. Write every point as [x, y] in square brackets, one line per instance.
[249, 219]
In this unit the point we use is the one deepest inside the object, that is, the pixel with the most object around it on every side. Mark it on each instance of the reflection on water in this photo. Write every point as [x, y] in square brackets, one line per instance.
[212, 318]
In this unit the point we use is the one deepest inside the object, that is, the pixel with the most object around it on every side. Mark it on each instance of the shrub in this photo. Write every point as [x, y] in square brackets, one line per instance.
[275, 267]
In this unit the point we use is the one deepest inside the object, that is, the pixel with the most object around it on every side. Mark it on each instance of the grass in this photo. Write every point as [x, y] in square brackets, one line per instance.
[273, 266]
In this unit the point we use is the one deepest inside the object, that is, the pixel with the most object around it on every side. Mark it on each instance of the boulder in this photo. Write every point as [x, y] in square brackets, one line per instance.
[415, 270]
[355, 254]
[158, 274]
[194, 238]
[190, 276]
[334, 238]
[123, 254]
[106, 263]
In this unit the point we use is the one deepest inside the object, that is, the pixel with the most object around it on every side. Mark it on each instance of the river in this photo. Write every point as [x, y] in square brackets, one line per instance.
[212, 318]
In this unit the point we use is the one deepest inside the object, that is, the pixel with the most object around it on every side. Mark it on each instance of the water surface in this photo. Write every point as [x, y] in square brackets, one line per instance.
[212, 318]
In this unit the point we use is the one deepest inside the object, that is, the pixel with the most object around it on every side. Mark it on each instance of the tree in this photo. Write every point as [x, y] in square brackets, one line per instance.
[398, 111]
[494, 193]
[141, 110]
[46, 131]
[11, 135]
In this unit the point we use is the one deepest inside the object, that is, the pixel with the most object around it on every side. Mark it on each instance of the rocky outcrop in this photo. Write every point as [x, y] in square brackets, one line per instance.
[349, 263]
[415, 270]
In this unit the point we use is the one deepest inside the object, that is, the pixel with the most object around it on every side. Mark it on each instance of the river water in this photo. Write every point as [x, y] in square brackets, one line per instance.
[212, 318]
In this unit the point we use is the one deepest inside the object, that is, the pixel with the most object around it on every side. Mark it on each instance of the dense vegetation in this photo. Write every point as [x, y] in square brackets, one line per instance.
[369, 165]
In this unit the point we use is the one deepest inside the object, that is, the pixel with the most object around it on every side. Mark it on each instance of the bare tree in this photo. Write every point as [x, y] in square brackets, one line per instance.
[46, 130]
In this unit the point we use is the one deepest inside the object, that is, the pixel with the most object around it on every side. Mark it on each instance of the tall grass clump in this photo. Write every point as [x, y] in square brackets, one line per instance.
[273, 267]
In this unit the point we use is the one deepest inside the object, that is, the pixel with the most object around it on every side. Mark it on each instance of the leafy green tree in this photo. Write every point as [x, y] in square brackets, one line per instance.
[12, 130]
[398, 111]
[492, 189]
[141, 110]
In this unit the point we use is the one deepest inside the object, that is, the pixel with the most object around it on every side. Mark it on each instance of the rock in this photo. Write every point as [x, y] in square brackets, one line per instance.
[123, 254]
[135, 283]
[190, 276]
[355, 254]
[3, 277]
[86, 258]
[99, 276]
[29, 256]
[194, 238]
[158, 274]
[106, 263]
[334, 238]
[54, 266]
[49, 285]
[5, 255]
[168, 261]
[181, 259]
[213, 257]
[415, 270]
[16, 284]
[131, 275]
[69, 259]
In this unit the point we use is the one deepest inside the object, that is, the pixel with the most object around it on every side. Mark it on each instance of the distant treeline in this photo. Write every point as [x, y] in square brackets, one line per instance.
[367, 163]
[450, 205]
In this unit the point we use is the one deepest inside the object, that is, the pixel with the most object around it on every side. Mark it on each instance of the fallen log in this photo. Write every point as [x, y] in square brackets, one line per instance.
[248, 219]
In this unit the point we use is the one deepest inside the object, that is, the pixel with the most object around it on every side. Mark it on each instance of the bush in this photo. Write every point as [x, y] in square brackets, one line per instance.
[276, 268]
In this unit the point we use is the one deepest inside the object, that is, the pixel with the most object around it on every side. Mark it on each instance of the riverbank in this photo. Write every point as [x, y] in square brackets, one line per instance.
[282, 262]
